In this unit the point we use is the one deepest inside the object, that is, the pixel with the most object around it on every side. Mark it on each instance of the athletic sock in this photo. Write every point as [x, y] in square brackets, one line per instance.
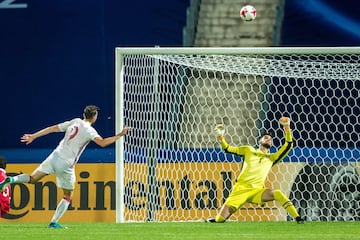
[219, 219]
[61, 209]
[286, 203]
[21, 178]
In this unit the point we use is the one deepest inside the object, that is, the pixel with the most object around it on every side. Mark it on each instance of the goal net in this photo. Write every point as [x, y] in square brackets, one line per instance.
[171, 167]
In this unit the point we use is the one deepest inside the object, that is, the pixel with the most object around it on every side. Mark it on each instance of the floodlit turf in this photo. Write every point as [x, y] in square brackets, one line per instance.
[183, 231]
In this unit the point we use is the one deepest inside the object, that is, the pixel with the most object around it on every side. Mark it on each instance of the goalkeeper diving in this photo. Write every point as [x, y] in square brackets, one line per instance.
[249, 185]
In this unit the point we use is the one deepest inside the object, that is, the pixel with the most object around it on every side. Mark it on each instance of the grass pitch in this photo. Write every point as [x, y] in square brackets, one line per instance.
[183, 231]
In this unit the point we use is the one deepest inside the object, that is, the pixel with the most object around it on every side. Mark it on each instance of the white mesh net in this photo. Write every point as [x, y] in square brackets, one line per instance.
[174, 169]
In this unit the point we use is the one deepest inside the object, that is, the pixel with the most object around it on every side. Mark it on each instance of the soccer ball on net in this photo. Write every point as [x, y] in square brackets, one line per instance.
[248, 13]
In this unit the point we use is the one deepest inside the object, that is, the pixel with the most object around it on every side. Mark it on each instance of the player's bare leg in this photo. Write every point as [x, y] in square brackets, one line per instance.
[36, 176]
[22, 178]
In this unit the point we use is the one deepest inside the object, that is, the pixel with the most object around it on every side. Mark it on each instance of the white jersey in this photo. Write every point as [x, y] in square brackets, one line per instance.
[78, 133]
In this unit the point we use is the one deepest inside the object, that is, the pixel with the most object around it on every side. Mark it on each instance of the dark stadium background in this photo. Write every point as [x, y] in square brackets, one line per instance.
[58, 56]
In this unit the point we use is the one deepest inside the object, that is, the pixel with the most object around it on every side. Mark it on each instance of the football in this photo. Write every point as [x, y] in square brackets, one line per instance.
[248, 13]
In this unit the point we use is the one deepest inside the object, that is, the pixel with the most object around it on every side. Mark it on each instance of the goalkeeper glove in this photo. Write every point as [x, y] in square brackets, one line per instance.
[219, 131]
[285, 122]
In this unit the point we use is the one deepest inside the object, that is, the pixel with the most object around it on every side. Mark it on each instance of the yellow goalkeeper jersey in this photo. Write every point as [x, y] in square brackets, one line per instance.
[257, 164]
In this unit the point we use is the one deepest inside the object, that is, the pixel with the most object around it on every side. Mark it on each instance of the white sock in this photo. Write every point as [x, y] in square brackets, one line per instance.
[21, 178]
[60, 209]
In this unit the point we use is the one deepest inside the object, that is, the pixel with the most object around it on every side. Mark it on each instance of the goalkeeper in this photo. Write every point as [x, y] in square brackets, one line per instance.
[249, 186]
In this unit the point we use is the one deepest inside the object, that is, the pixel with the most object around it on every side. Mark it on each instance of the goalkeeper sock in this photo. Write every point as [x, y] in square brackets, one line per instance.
[219, 219]
[286, 203]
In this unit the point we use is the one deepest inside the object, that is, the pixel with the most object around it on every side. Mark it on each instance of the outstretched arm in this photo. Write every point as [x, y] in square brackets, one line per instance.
[285, 122]
[29, 138]
[288, 145]
[219, 131]
[103, 142]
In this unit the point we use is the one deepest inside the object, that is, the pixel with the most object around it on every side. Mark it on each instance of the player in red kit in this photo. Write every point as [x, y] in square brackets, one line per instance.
[5, 196]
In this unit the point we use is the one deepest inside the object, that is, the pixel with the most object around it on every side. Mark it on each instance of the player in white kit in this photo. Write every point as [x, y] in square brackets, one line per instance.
[61, 162]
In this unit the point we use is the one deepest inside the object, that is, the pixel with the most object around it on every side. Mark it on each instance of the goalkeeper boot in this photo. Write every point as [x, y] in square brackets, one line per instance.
[210, 220]
[300, 220]
[56, 225]
[5, 183]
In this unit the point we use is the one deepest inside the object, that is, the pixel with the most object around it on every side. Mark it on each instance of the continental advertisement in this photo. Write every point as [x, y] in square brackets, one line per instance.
[187, 191]
[93, 199]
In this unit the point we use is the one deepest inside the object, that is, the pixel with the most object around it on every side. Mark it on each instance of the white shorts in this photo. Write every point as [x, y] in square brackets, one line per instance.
[62, 168]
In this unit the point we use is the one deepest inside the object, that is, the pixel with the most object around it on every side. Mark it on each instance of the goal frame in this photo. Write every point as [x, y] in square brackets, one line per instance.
[119, 86]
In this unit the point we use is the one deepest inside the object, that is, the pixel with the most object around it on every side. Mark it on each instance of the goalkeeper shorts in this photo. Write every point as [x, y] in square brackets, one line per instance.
[239, 196]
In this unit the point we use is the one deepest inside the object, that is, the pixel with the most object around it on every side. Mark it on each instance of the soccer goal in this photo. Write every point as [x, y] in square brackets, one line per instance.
[171, 168]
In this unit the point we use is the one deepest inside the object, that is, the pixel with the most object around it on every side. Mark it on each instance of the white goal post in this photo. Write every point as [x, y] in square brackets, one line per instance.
[170, 166]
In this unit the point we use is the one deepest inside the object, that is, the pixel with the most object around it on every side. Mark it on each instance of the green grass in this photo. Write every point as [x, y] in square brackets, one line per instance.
[183, 231]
